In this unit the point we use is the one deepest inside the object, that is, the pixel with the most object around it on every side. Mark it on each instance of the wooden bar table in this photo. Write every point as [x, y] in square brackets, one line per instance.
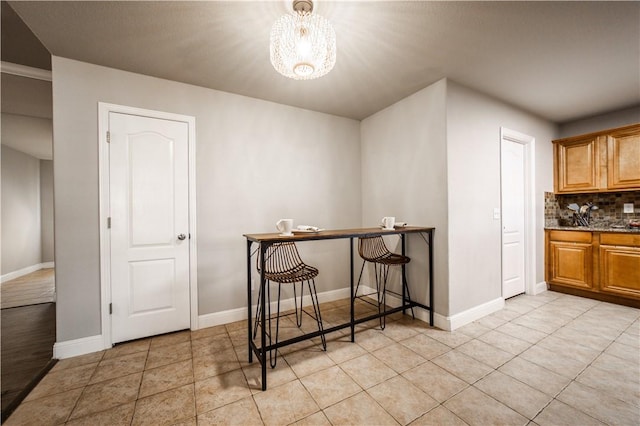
[266, 240]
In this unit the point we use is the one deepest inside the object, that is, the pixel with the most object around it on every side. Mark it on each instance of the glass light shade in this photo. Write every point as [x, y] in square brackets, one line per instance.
[303, 46]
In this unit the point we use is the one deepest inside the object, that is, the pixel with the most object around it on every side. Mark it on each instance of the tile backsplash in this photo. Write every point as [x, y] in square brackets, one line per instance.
[610, 207]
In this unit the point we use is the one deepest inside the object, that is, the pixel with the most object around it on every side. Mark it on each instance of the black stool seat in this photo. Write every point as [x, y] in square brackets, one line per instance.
[300, 273]
[392, 259]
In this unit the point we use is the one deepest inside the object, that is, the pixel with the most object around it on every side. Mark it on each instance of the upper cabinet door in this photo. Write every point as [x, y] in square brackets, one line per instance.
[577, 165]
[624, 158]
[598, 162]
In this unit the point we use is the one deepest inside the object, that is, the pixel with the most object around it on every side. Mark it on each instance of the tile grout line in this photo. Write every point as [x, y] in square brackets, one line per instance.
[574, 379]
[84, 388]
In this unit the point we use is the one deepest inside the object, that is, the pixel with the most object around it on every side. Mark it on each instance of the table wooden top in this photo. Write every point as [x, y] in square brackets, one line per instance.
[331, 234]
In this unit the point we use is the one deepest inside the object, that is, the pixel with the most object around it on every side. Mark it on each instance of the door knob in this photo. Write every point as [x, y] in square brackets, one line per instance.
[182, 237]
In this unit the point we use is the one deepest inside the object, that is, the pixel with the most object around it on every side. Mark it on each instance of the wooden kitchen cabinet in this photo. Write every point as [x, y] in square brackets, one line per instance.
[623, 166]
[620, 264]
[599, 265]
[570, 259]
[577, 164]
[598, 162]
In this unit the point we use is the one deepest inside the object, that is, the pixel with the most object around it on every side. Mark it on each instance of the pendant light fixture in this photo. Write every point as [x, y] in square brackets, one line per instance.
[303, 44]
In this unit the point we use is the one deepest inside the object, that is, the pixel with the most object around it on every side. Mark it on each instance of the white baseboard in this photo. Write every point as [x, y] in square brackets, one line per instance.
[239, 314]
[77, 347]
[540, 288]
[24, 271]
[220, 318]
[473, 314]
[394, 301]
[90, 344]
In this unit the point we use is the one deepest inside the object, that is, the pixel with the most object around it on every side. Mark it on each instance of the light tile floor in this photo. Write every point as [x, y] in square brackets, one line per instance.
[550, 359]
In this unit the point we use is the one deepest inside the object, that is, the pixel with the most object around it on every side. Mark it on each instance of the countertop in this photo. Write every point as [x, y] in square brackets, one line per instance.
[593, 229]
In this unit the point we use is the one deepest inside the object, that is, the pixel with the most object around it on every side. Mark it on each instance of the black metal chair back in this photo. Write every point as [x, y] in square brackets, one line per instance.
[283, 265]
[374, 250]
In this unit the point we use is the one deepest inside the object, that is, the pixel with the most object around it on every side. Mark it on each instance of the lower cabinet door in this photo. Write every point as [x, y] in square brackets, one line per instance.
[571, 264]
[620, 270]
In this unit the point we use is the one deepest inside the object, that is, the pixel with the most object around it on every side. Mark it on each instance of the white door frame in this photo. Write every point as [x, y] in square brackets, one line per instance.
[529, 143]
[105, 246]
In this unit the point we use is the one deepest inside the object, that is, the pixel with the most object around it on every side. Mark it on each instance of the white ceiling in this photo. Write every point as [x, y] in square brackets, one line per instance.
[559, 60]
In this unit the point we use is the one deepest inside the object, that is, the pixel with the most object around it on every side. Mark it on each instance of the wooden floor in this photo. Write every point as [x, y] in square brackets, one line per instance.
[27, 337]
[36, 287]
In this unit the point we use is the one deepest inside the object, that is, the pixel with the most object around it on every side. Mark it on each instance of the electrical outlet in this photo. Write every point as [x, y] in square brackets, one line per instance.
[628, 208]
[496, 213]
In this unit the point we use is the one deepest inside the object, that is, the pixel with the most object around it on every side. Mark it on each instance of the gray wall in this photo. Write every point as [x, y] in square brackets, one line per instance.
[473, 156]
[433, 159]
[46, 210]
[601, 122]
[21, 244]
[404, 174]
[31, 135]
[423, 160]
[256, 162]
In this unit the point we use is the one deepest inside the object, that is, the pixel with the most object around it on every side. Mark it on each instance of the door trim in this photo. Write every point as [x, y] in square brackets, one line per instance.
[105, 246]
[529, 143]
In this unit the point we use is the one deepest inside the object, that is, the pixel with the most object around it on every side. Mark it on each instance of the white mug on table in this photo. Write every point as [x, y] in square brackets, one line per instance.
[285, 226]
[388, 222]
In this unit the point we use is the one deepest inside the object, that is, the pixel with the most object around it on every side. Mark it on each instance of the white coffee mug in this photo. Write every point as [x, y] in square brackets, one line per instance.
[285, 226]
[388, 222]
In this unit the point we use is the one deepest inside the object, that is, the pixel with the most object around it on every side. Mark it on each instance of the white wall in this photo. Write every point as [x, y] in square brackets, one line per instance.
[473, 156]
[404, 174]
[20, 211]
[257, 162]
[31, 135]
[610, 120]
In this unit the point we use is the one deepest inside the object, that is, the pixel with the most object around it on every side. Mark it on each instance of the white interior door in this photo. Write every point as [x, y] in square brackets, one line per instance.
[513, 218]
[149, 210]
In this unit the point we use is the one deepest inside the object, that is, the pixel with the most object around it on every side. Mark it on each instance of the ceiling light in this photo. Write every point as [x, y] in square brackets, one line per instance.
[303, 45]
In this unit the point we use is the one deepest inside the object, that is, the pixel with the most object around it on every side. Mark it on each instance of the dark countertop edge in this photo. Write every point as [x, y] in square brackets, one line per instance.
[591, 229]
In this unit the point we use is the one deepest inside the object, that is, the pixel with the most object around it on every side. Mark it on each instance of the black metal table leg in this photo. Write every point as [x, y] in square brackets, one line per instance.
[249, 339]
[404, 277]
[353, 326]
[263, 317]
[431, 304]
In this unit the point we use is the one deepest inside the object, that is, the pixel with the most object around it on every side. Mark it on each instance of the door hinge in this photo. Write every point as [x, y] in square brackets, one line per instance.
[110, 308]
[109, 222]
[108, 136]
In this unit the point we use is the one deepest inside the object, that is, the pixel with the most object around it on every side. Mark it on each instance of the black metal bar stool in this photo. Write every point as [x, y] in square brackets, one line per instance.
[374, 250]
[283, 265]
